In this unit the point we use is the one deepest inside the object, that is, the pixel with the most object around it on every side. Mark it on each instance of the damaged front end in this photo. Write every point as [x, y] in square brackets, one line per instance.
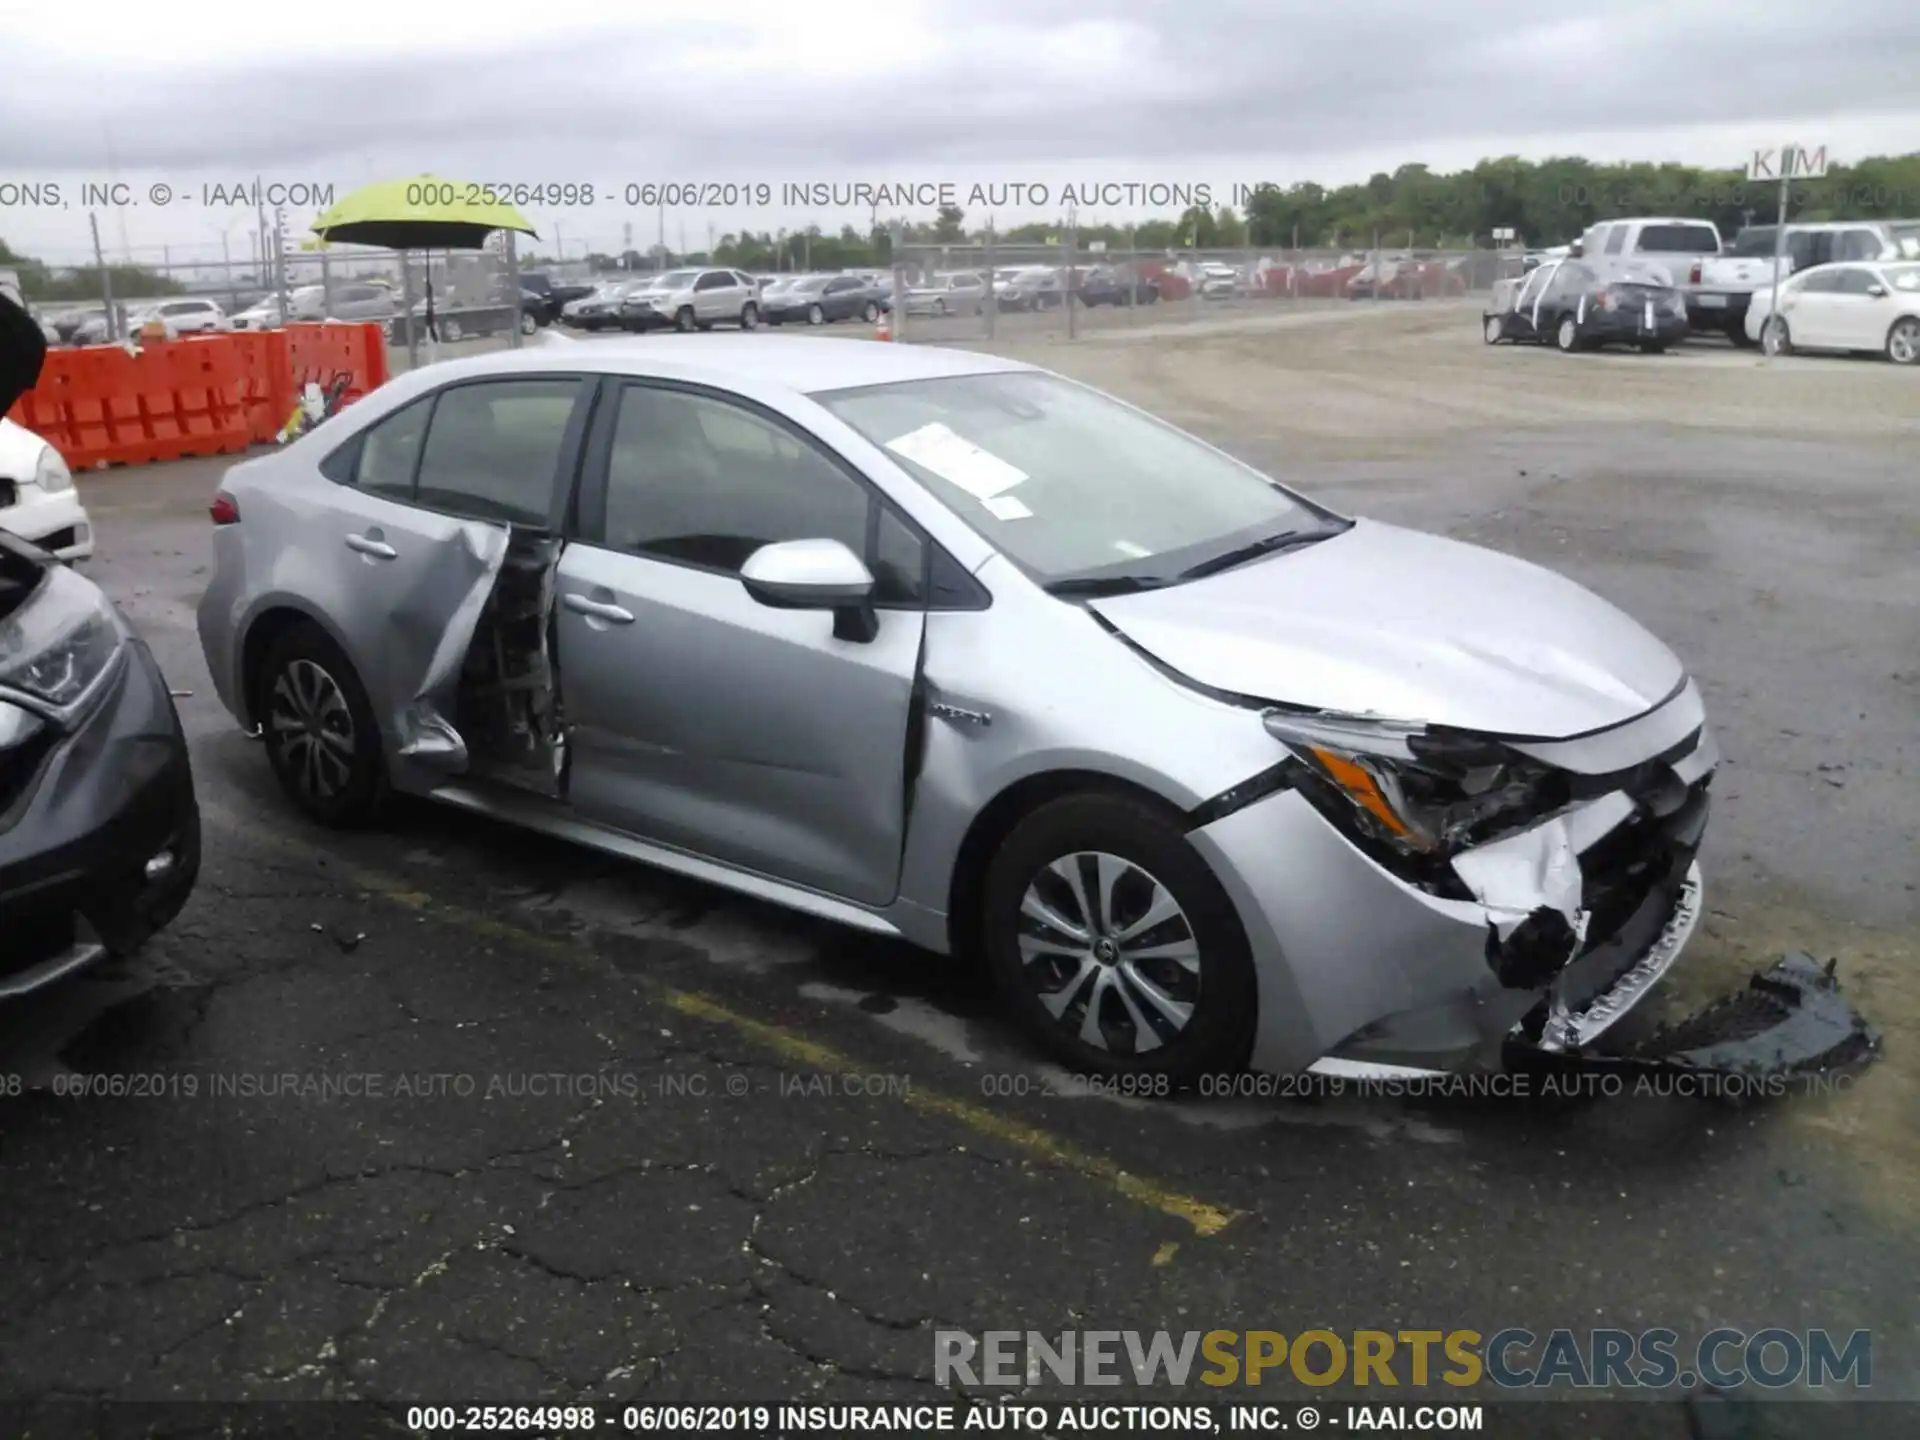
[1580, 857]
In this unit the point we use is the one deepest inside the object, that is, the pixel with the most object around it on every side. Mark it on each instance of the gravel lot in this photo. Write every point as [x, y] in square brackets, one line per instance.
[796, 1163]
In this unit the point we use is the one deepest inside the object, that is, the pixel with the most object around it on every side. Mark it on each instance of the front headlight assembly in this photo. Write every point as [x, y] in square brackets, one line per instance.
[57, 649]
[52, 474]
[1413, 795]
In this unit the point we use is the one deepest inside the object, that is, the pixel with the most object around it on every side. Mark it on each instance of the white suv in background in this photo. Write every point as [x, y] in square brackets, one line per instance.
[192, 317]
[37, 498]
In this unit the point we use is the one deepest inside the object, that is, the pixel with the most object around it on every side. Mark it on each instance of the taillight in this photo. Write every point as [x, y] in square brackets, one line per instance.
[223, 510]
[1693, 275]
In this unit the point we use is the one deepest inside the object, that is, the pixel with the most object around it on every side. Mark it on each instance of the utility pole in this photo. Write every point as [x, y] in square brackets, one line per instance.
[106, 279]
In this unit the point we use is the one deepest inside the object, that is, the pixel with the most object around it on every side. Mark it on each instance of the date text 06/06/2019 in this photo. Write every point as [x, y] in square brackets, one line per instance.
[915, 1420]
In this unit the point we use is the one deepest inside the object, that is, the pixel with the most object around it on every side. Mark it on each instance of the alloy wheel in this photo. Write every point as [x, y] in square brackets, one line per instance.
[815, 315]
[1903, 343]
[1774, 338]
[1109, 953]
[311, 730]
[1569, 334]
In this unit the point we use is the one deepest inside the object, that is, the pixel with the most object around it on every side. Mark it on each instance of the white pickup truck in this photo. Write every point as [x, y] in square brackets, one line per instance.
[1724, 286]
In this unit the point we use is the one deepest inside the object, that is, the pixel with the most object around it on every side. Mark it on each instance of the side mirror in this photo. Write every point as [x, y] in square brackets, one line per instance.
[1877, 290]
[815, 575]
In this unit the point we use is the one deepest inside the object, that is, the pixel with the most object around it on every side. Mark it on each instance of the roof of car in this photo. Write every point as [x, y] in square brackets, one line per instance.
[804, 364]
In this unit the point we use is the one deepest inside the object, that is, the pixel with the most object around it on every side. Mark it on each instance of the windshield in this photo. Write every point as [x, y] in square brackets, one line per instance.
[1757, 242]
[674, 280]
[1066, 482]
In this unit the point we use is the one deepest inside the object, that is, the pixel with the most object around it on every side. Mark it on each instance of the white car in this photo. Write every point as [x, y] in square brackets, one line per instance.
[193, 317]
[1848, 306]
[37, 498]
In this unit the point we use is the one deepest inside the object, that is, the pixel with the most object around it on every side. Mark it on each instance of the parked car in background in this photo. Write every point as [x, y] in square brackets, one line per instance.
[954, 292]
[601, 309]
[950, 649]
[694, 300]
[37, 498]
[360, 300]
[94, 328]
[1577, 306]
[1216, 280]
[67, 323]
[1112, 285]
[193, 317]
[1860, 307]
[818, 299]
[1727, 285]
[554, 295]
[1028, 287]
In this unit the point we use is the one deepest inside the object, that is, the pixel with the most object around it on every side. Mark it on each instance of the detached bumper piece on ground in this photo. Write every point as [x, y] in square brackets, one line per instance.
[99, 828]
[1790, 1023]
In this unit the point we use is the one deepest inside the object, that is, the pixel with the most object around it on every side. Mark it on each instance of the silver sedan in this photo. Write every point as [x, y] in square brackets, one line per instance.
[949, 648]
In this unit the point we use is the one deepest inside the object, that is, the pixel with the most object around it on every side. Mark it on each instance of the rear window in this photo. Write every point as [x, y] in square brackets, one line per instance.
[1678, 240]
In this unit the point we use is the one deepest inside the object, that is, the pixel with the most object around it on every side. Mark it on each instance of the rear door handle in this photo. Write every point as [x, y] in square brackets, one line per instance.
[379, 549]
[599, 609]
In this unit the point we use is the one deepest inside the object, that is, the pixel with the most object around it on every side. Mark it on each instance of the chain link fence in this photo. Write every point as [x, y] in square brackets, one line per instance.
[983, 289]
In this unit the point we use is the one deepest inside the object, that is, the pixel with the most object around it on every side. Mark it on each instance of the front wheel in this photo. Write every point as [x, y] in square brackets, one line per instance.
[1775, 338]
[450, 331]
[1115, 946]
[683, 318]
[870, 312]
[1494, 331]
[1903, 342]
[816, 315]
[322, 739]
[528, 324]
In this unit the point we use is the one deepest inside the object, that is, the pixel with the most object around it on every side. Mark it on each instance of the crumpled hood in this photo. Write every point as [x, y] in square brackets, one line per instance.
[1407, 626]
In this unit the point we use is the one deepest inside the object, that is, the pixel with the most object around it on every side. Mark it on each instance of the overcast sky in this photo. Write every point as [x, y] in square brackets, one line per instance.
[966, 92]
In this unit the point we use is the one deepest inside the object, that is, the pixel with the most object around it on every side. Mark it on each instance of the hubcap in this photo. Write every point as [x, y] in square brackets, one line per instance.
[1109, 953]
[1904, 347]
[312, 730]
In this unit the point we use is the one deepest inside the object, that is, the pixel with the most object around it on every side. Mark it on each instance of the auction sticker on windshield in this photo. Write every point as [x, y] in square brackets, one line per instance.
[1006, 507]
[957, 461]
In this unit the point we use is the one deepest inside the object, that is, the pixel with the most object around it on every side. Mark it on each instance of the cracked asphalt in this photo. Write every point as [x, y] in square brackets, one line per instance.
[448, 1112]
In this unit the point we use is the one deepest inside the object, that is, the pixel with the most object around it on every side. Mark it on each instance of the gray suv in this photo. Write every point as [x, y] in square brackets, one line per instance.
[696, 300]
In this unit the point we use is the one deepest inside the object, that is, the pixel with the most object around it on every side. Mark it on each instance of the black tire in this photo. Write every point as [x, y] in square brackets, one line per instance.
[1737, 333]
[1217, 1033]
[1775, 336]
[528, 323]
[816, 315]
[940, 307]
[364, 794]
[683, 319]
[1567, 335]
[1902, 345]
[1493, 329]
[870, 312]
[750, 316]
[450, 331]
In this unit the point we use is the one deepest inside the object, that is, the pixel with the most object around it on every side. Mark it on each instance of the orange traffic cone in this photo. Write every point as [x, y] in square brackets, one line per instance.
[883, 327]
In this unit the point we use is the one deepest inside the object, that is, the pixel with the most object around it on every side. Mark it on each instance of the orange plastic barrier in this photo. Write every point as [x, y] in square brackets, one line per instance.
[204, 395]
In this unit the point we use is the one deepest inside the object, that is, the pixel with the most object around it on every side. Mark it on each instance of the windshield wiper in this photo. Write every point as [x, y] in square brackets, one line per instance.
[1266, 545]
[1092, 587]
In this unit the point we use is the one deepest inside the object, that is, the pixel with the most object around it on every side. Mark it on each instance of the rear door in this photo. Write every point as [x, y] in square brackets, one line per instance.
[405, 550]
[700, 718]
[844, 297]
[1858, 317]
[1526, 303]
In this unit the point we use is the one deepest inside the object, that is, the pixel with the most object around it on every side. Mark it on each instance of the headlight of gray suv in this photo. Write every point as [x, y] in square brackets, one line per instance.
[1413, 793]
[57, 649]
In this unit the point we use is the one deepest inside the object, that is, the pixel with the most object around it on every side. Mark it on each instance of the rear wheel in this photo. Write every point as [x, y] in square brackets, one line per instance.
[1114, 944]
[816, 315]
[1494, 331]
[870, 312]
[1775, 338]
[1567, 337]
[322, 738]
[1903, 342]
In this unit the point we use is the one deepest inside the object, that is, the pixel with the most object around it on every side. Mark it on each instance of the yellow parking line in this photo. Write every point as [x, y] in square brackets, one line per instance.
[1042, 1144]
